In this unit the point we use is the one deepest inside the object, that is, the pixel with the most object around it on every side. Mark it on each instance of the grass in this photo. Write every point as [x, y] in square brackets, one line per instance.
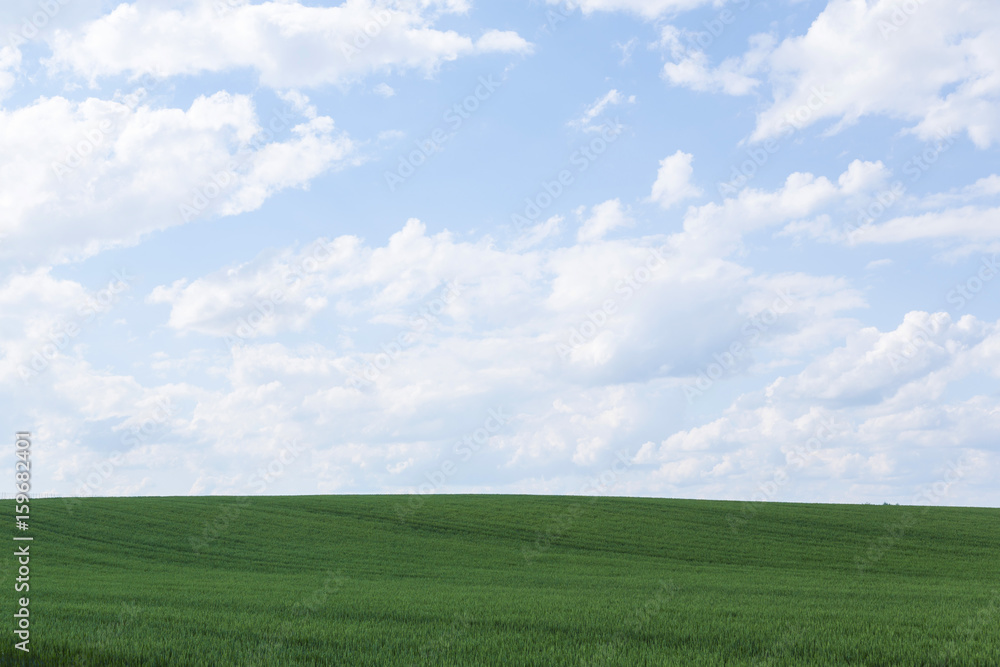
[506, 580]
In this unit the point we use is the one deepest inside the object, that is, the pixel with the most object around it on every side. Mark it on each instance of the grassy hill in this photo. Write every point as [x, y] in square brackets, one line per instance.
[506, 580]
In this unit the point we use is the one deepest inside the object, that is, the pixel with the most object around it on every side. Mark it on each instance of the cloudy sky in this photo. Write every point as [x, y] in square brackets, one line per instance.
[681, 248]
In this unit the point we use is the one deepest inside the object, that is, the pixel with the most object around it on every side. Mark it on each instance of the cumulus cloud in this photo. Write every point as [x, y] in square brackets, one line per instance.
[512, 335]
[984, 188]
[539, 233]
[527, 327]
[733, 76]
[352, 278]
[42, 354]
[604, 217]
[45, 307]
[346, 42]
[503, 41]
[673, 180]
[923, 62]
[870, 206]
[723, 225]
[967, 222]
[80, 177]
[875, 409]
[864, 206]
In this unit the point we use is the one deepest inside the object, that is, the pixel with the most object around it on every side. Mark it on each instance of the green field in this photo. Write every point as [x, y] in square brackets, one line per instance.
[506, 580]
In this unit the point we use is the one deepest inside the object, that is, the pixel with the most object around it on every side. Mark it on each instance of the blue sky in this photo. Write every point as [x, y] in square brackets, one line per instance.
[747, 247]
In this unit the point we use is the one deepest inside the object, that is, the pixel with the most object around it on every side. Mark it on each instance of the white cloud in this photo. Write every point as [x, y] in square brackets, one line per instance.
[627, 48]
[10, 63]
[647, 9]
[387, 283]
[716, 226]
[385, 90]
[933, 66]
[863, 177]
[538, 233]
[390, 135]
[495, 344]
[45, 308]
[604, 218]
[969, 222]
[503, 41]
[984, 188]
[865, 208]
[80, 177]
[612, 97]
[877, 264]
[673, 180]
[344, 43]
[813, 206]
[882, 397]
[733, 76]
[43, 349]
[299, 102]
